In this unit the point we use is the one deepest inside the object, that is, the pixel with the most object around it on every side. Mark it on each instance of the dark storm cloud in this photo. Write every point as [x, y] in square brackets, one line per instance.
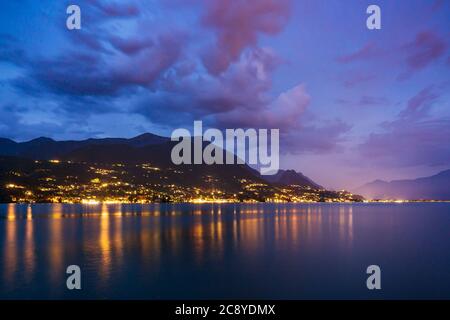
[159, 75]
[92, 73]
[10, 50]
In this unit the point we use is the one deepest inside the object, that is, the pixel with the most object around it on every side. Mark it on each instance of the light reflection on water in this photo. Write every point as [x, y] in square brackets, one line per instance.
[177, 251]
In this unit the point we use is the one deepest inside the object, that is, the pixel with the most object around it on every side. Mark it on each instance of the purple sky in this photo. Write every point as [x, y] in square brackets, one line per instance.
[352, 104]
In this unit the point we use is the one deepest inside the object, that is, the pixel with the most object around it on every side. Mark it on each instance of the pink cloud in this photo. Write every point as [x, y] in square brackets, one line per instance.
[287, 113]
[407, 143]
[426, 48]
[284, 112]
[368, 51]
[364, 101]
[237, 25]
[353, 80]
[148, 65]
[216, 94]
[419, 105]
[437, 5]
[312, 138]
[413, 138]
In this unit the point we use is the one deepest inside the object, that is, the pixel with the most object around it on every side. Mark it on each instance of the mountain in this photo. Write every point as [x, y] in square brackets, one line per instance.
[45, 148]
[291, 177]
[27, 180]
[145, 148]
[141, 149]
[435, 187]
[139, 169]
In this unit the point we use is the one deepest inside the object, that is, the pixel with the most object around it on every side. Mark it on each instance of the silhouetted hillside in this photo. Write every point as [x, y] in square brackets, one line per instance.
[436, 187]
[46, 148]
[137, 169]
[291, 177]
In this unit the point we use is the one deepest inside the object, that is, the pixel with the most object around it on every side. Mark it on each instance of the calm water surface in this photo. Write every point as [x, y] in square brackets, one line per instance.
[184, 251]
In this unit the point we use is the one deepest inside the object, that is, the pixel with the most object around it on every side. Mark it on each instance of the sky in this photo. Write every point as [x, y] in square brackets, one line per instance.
[352, 104]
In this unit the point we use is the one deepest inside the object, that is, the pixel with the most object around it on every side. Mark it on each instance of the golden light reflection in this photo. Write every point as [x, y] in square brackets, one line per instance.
[118, 235]
[199, 243]
[208, 230]
[29, 250]
[56, 243]
[251, 233]
[217, 235]
[174, 234]
[150, 240]
[346, 225]
[350, 224]
[11, 212]
[207, 233]
[10, 248]
[104, 244]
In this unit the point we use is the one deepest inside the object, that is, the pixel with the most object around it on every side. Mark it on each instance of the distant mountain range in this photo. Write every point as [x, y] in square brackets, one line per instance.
[436, 187]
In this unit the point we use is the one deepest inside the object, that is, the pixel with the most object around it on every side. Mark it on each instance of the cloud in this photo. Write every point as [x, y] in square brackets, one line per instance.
[437, 5]
[319, 139]
[204, 95]
[12, 124]
[104, 63]
[115, 66]
[89, 40]
[221, 103]
[283, 113]
[407, 143]
[131, 46]
[426, 48]
[414, 138]
[148, 65]
[90, 73]
[419, 106]
[364, 101]
[237, 24]
[10, 50]
[116, 9]
[368, 51]
[353, 79]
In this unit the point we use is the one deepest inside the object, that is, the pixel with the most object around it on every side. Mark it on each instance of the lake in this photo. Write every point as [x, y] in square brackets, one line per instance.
[225, 251]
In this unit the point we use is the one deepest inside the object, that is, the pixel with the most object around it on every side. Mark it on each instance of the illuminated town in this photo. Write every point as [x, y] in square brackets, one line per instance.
[55, 181]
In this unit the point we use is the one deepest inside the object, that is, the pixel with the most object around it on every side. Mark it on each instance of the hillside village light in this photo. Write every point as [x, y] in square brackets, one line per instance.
[235, 139]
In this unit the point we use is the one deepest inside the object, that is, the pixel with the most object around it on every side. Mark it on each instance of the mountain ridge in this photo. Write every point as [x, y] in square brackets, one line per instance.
[434, 187]
[44, 148]
[146, 147]
[292, 177]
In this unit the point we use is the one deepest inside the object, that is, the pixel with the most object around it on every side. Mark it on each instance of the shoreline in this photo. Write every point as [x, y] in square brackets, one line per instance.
[229, 202]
